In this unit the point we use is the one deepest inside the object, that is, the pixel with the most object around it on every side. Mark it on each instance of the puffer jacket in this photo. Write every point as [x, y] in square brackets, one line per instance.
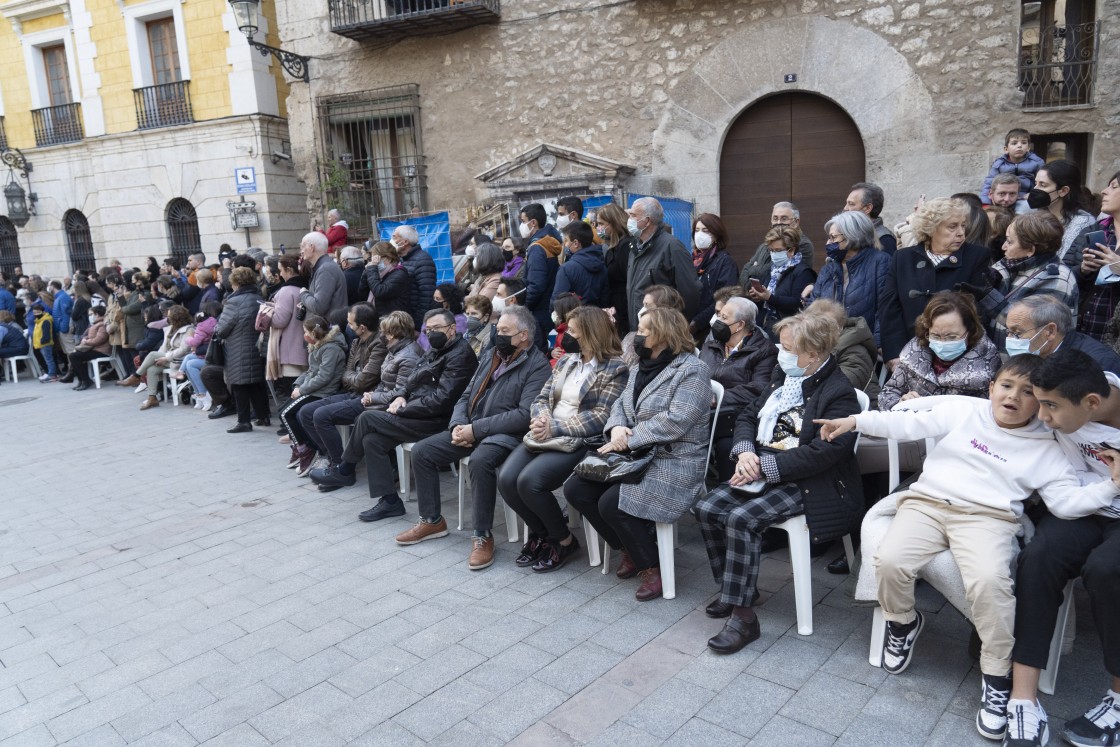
[400, 361]
[541, 265]
[662, 260]
[856, 355]
[388, 291]
[422, 275]
[175, 346]
[236, 330]
[867, 280]
[584, 274]
[786, 298]
[364, 364]
[435, 386]
[969, 375]
[718, 270]
[1026, 171]
[498, 409]
[745, 373]
[617, 259]
[96, 338]
[326, 362]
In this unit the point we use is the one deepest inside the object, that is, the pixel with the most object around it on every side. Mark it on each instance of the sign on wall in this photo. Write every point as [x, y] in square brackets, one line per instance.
[246, 179]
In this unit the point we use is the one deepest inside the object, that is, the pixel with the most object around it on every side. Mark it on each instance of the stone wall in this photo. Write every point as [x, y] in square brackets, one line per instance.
[657, 83]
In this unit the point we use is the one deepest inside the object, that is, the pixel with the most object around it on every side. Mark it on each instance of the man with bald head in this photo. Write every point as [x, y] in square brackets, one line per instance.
[327, 289]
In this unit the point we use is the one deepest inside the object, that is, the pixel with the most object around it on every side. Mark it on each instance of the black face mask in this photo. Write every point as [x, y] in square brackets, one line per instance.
[437, 340]
[643, 352]
[504, 345]
[473, 325]
[1037, 199]
[720, 331]
[569, 344]
[507, 255]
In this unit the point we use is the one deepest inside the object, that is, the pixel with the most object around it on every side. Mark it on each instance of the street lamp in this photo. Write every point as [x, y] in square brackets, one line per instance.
[21, 205]
[246, 13]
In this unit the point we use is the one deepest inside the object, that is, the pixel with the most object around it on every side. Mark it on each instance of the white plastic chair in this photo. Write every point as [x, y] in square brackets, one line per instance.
[1048, 679]
[173, 388]
[511, 515]
[404, 467]
[32, 363]
[95, 369]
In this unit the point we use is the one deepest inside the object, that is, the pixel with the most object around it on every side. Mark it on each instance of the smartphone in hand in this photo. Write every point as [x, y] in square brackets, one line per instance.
[1093, 238]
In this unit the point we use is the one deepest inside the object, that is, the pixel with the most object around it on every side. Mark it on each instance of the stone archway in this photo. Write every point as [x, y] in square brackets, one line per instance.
[850, 65]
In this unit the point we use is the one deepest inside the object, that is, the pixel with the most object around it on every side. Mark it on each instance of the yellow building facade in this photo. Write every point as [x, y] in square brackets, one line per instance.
[141, 121]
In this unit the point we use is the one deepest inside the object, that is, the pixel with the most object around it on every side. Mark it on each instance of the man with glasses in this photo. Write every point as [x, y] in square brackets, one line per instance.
[1042, 324]
[420, 407]
[783, 214]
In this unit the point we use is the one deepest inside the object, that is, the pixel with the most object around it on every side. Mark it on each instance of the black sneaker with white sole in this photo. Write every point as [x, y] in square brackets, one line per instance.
[1099, 727]
[991, 719]
[899, 645]
[1026, 725]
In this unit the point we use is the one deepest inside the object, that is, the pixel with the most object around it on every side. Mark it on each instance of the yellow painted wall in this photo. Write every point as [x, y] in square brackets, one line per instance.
[207, 42]
[17, 91]
[45, 23]
[108, 35]
[272, 39]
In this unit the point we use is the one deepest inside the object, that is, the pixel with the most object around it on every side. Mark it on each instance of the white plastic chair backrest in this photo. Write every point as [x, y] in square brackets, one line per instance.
[864, 406]
[915, 405]
[717, 392]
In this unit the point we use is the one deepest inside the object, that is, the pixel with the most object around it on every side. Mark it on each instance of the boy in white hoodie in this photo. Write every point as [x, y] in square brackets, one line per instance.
[991, 456]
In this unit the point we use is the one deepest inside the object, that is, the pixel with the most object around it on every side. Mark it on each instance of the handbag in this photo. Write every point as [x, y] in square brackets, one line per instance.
[565, 444]
[216, 352]
[615, 466]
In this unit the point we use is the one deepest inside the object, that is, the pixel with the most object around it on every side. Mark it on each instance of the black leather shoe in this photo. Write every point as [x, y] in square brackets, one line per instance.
[839, 567]
[220, 411]
[83, 386]
[718, 609]
[263, 422]
[736, 634]
[240, 428]
[555, 556]
[330, 477]
[385, 508]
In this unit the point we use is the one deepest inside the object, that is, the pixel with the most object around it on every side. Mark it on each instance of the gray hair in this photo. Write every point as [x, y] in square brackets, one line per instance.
[445, 314]
[317, 240]
[333, 213]
[788, 206]
[1043, 309]
[488, 259]
[650, 208]
[743, 309]
[871, 194]
[856, 227]
[522, 317]
[351, 254]
[408, 233]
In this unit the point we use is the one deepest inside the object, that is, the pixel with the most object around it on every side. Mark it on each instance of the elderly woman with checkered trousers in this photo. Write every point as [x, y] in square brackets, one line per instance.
[784, 469]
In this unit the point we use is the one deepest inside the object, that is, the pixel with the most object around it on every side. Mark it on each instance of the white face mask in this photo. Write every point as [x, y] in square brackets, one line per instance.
[702, 240]
[471, 251]
[499, 305]
[641, 312]
[632, 227]
[525, 232]
[555, 318]
[562, 221]
[713, 319]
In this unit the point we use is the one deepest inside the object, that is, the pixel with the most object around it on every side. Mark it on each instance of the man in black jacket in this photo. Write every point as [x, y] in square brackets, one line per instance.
[659, 259]
[489, 421]
[421, 270]
[419, 408]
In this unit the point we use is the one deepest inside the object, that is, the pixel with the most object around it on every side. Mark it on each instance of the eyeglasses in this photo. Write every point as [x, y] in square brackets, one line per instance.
[440, 327]
[1021, 334]
[945, 338]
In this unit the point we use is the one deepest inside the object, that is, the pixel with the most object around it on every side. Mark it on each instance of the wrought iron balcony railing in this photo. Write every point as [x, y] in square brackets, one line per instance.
[57, 124]
[382, 19]
[163, 106]
[1058, 64]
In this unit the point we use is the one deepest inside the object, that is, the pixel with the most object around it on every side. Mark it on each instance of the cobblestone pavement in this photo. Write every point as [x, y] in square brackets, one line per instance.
[164, 583]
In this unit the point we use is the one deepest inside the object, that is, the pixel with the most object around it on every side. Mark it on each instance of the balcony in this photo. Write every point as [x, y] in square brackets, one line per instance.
[1058, 65]
[55, 125]
[166, 105]
[391, 19]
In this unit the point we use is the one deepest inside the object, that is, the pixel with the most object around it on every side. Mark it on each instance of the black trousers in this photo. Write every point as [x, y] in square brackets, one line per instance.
[214, 379]
[125, 354]
[1062, 550]
[320, 417]
[249, 398]
[526, 482]
[289, 418]
[375, 438]
[598, 502]
[437, 451]
[78, 364]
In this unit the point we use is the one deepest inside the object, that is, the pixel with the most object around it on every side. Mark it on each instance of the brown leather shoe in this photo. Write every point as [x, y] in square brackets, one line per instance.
[133, 380]
[651, 585]
[482, 553]
[626, 567]
[149, 403]
[736, 634]
[424, 530]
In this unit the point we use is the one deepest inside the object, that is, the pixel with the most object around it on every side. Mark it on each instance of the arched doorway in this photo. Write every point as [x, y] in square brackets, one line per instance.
[79, 243]
[9, 247]
[791, 146]
[182, 229]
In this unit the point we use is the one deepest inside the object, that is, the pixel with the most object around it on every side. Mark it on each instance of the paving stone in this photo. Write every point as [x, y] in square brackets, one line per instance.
[727, 708]
[578, 668]
[160, 713]
[509, 668]
[592, 711]
[172, 735]
[227, 679]
[697, 732]
[241, 735]
[370, 713]
[445, 708]
[514, 711]
[309, 672]
[230, 711]
[782, 732]
[465, 734]
[789, 662]
[97, 712]
[181, 676]
[102, 736]
[389, 734]
[827, 703]
[621, 734]
[503, 633]
[430, 675]
[541, 734]
[668, 708]
[299, 711]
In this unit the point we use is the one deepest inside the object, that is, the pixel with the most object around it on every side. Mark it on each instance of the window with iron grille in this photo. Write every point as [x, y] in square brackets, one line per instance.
[1058, 50]
[9, 247]
[373, 165]
[182, 229]
[79, 243]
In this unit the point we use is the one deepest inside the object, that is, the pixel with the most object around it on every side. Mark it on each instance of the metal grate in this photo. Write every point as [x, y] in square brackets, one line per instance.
[3, 135]
[79, 243]
[57, 124]
[1058, 64]
[182, 229]
[368, 19]
[373, 160]
[9, 247]
[163, 106]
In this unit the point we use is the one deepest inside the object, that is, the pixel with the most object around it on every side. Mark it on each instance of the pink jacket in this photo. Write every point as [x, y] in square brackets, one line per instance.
[203, 331]
[293, 349]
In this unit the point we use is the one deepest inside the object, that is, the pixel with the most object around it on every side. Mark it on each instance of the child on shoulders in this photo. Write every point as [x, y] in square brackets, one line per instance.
[1017, 159]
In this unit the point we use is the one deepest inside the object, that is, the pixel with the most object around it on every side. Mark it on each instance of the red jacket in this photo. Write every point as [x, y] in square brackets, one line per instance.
[337, 236]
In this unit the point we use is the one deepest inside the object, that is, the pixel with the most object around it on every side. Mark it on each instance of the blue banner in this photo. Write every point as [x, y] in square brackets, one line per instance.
[598, 201]
[435, 238]
[678, 214]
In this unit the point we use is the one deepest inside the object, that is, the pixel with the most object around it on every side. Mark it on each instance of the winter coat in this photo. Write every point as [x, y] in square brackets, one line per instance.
[210, 293]
[400, 361]
[1050, 278]
[541, 266]
[867, 277]
[617, 259]
[364, 364]
[912, 280]
[287, 327]
[390, 290]
[746, 372]
[663, 260]
[584, 274]
[786, 298]
[888, 242]
[1026, 171]
[114, 320]
[63, 304]
[96, 338]
[236, 330]
[671, 416]
[13, 340]
[718, 270]
[7, 301]
[203, 331]
[422, 276]
[133, 310]
[597, 395]
[486, 286]
[327, 290]
[969, 375]
[337, 236]
[438, 381]
[175, 347]
[79, 317]
[759, 266]
[514, 268]
[1104, 355]
[353, 275]
[326, 362]
[1076, 227]
[497, 409]
[42, 332]
[856, 355]
[826, 472]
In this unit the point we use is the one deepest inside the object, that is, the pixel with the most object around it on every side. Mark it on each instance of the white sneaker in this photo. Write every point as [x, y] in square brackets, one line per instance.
[142, 386]
[44, 378]
[899, 644]
[197, 401]
[1099, 727]
[207, 403]
[1026, 725]
[991, 719]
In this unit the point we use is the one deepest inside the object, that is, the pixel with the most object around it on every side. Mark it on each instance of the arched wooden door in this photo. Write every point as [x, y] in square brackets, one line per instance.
[793, 146]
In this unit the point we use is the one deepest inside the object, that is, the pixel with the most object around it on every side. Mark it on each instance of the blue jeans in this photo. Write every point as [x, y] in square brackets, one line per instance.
[192, 367]
[48, 356]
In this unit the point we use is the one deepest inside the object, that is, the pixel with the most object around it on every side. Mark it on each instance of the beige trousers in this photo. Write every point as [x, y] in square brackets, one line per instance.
[982, 543]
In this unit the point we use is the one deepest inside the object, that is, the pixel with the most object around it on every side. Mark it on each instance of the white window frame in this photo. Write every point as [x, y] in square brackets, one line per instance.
[136, 18]
[33, 45]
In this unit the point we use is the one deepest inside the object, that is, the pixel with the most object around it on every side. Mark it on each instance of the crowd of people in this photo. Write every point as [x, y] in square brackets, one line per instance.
[574, 366]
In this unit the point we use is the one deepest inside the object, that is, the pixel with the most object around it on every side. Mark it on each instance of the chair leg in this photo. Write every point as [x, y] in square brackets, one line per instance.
[462, 491]
[849, 552]
[665, 536]
[590, 537]
[802, 576]
[403, 467]
[1049, 676]
[878, 637]
[95, 374]
[511, 521]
